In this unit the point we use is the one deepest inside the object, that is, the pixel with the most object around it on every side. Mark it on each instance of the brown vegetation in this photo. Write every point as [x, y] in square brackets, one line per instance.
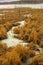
[3, 32]
[3, 48]
[32, 31]
[16, 56]
[37, 60]
[12, 16]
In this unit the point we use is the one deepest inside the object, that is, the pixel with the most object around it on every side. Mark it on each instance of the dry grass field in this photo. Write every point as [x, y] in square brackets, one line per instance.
[31, 32]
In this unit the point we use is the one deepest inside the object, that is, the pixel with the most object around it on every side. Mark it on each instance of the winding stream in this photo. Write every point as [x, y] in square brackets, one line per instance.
[11, 40]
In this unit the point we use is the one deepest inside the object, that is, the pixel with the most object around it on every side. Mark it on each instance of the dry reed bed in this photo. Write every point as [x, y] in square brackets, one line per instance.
[19, 55]
[31, 32]
[14, 15]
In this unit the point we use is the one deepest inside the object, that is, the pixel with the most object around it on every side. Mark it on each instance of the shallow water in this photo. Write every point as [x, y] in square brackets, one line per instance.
[40, 6]
[11, 41]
